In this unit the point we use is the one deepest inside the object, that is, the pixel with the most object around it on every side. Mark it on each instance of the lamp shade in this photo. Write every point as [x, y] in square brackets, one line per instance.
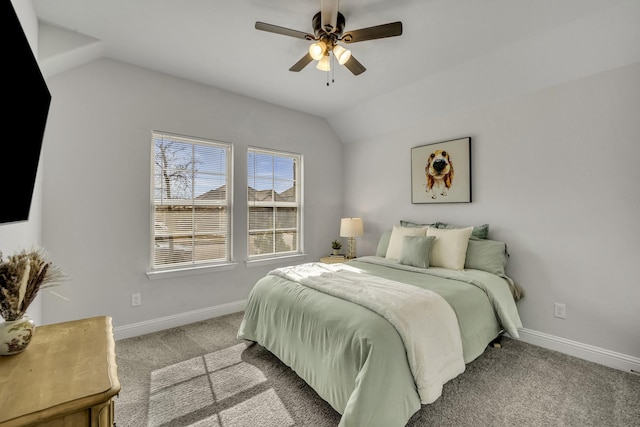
[324, 64]
[341, 54]
[351, 227]
[317, 50]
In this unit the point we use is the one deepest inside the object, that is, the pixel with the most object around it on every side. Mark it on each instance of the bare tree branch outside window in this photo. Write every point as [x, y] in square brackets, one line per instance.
[191, 179]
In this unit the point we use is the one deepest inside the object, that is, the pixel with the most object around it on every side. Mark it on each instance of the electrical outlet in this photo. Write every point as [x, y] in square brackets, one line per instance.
[136, 300]
[560, 311]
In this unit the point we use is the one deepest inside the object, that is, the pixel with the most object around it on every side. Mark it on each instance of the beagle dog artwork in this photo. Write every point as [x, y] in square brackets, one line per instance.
[439, 173]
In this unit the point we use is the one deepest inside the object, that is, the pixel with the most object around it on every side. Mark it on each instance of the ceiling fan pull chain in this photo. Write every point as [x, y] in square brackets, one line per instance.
[332, 67]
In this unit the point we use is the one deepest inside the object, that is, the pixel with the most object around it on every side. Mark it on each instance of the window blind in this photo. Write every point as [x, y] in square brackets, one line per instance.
[191, 201]
[274, 202]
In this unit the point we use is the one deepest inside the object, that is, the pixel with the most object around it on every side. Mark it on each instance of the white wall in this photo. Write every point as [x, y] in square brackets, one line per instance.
[555, 174]
[97, 187]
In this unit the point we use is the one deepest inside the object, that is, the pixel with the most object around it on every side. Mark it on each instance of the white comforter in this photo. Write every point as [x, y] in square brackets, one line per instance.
[426, 323]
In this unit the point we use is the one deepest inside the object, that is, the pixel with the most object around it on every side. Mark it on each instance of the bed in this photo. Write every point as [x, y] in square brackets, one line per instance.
[378, 336]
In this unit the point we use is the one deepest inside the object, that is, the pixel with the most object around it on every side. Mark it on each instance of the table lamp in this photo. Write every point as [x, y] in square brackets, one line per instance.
[351, 228]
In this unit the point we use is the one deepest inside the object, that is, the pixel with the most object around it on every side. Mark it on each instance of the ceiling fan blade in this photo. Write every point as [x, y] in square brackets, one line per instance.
[391, 29]
[355, 66]
[329, 15]
[303, 62]
[284, 31]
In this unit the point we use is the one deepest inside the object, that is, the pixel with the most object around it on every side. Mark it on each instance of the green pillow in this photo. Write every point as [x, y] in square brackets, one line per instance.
[416, 250]
[479, 231]
[383, 244]
[404, 223]
[487, 255]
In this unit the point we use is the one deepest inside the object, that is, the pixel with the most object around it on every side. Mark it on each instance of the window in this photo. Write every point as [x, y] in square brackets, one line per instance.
[274, 189]
[191, 202]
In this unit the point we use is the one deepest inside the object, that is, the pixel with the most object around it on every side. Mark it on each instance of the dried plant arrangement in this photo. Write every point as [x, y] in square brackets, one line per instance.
[21, 277]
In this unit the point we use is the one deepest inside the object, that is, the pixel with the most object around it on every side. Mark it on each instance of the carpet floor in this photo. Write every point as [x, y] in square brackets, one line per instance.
[200, 375]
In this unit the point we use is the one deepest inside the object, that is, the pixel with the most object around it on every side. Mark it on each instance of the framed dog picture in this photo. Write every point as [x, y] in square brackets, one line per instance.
[441, 172]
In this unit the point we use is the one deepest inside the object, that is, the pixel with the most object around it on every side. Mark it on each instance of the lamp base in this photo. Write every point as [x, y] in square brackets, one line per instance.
[351, 248]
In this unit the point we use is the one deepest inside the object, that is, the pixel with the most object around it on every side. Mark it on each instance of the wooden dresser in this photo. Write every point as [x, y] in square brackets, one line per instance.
[67, 377]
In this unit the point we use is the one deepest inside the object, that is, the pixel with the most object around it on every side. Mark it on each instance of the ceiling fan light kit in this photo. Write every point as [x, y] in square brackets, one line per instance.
[328, 30]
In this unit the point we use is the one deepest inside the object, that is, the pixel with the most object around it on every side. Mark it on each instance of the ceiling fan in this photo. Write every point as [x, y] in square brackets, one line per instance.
[328, 30]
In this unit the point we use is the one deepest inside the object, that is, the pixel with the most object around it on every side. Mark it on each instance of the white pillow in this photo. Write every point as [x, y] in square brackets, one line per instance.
[395, 241]
[449, 250]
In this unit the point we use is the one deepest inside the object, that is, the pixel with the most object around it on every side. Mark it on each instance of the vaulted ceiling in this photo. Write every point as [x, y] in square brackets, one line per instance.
[215, 43]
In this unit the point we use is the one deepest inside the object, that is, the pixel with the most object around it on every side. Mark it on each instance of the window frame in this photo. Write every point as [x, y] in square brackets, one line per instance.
[193, 266]
[274, 257]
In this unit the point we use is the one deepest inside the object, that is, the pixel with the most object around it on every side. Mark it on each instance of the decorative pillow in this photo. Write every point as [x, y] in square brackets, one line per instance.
[479, 231]
[395, 242]
[487, 255]
[383, 244]
[416, 250]
[450, 247]
[404, 223]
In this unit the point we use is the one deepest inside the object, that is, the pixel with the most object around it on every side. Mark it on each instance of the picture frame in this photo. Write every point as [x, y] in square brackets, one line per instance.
[441, 172]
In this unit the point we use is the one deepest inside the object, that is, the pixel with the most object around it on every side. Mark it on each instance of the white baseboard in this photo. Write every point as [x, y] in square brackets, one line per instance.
[604, 357]
[162, 323]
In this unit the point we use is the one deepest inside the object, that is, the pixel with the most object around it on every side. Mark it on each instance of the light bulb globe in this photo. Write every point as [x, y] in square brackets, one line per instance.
[341, 54]
[324, 64]
[317, 50]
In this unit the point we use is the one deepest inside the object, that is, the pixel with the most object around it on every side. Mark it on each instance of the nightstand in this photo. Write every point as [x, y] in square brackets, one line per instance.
[329, 260]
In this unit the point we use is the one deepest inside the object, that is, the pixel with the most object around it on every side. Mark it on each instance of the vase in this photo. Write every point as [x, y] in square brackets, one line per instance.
[15, 335]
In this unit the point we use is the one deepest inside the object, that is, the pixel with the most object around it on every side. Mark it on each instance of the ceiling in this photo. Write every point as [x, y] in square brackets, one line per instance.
[214, 42]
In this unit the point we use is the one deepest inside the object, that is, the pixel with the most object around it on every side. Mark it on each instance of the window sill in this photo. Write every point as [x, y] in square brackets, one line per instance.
[275, 260]
[189, 271]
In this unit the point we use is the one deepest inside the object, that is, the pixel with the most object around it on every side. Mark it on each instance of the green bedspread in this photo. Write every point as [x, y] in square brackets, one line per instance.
[354, 358]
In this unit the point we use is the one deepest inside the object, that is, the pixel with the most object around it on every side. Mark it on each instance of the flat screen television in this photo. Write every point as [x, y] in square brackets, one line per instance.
[26, 100]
